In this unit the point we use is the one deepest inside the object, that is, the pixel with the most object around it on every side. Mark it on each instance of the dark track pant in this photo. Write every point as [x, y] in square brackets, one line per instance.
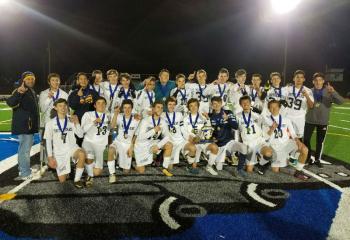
[321, 131]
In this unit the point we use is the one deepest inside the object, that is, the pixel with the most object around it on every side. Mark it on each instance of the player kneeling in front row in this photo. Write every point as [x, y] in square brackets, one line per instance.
[152, 137]
[283, 140]
[175, 124]
[224, 122]
[61, 143]
[250, 128]
[124, 143]
[96, 128]
[198, 130]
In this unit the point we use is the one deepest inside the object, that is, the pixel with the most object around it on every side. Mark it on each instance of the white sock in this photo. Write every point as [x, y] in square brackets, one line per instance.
[212, 158]
[300, 166]
[219, 166]
[166, 162]
[78, 173]
[111, 166]
[190, 159]
[90, 169]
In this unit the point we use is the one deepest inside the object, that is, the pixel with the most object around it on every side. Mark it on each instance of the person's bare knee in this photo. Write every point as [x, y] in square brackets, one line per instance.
[140, 169]
[97, 171]
[275, 169]
[214, 149]
[62, 178]
[80, 156]
[250, 168]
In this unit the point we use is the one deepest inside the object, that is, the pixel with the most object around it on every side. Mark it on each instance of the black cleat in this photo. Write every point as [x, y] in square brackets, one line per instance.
[79, 184]
[262, 168]
[318, 164]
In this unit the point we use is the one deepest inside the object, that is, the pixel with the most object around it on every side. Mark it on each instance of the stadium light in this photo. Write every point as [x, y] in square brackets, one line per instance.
[284, 6]
[4, 2]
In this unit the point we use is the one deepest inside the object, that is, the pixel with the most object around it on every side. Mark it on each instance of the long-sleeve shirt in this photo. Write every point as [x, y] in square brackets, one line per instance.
[82, 104]
[319, 114]
[223, 128]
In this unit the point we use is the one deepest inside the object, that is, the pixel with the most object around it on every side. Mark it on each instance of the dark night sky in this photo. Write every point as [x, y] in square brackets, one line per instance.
[146, 35]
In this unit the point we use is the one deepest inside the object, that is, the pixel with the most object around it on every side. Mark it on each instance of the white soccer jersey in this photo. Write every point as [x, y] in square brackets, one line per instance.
[236, 93]
[256, 101]
[220, 90]
[297, 103]
[197, 91]
[46, 104]
[175, 124]
[98, 89]
[96, 133]
[274, 94]
[58, 142]
[193, 125]
[123, 94]
[146, 134]
[250, 127]
[182, 96]
[126, 128]
[282, 133]
[111, 94]
[144, 101]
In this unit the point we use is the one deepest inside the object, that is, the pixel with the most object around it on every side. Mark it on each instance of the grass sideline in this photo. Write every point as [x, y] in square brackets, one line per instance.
[337, 139]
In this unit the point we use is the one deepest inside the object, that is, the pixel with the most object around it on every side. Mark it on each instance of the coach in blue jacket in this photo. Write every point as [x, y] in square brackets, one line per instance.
[25, 120]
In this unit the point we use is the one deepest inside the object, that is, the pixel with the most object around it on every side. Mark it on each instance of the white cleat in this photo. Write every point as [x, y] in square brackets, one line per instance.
[211, 171]
[112, 178]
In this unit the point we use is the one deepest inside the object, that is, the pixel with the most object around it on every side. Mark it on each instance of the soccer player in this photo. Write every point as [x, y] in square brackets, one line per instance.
[61, 144]
[125, 91]
[96, 128]
[220, 87]
[181, 93]
[198, 88]
[82, 99]
[239, 89]
[152, 137]
[257, 93]
[250, 128]
[110, 88]
[318, 116]
[299, 99]
[275, 92]
[197, 130]
[174, 120]
[49, 96]
[125, 141]
[283, 140]
[224, 122]
[145, 98]
[96, 80]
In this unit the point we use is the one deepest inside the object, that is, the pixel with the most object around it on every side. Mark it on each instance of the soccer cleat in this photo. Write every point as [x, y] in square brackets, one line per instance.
[261, 169]
[79, 184]
[300, 175]
[112, 178]
[318, 164]
[167, 173]
[89, 181]
[234, 160]
[192, 170]
[211, 170]
[241, 173]
[293, 161]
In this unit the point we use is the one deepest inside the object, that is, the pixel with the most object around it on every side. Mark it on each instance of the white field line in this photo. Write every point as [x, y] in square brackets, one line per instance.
[5, 109]
[341, 113]
[345, 121]
[344, 108]
[340, 228]
[339, 127]
[12, 161]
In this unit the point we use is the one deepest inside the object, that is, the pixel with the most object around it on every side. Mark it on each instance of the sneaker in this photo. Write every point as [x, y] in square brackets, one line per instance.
[29, 177]
[293, 161]
[192, 170]
[211, 170]
[318, 164]
[112, 178]
[241, 173]
[234, 160]
[300, 175]
[261, 169]
[167, 173]
[79, 184]
[89, 181]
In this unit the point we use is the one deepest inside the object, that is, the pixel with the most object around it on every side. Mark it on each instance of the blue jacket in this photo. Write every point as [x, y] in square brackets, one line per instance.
[82, 104]
[161, 91]
[223, 130]
[25, 116]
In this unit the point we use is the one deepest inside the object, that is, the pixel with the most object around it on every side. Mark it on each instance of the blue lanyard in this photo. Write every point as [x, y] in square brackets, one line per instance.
[103, 118]
[171, 123]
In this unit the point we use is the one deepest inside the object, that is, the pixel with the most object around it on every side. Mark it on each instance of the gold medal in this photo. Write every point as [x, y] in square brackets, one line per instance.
[317, 104]
[219, 128]
[125, 136]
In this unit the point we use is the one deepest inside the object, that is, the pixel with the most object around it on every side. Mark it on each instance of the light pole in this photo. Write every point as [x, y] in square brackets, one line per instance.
[283, 7]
